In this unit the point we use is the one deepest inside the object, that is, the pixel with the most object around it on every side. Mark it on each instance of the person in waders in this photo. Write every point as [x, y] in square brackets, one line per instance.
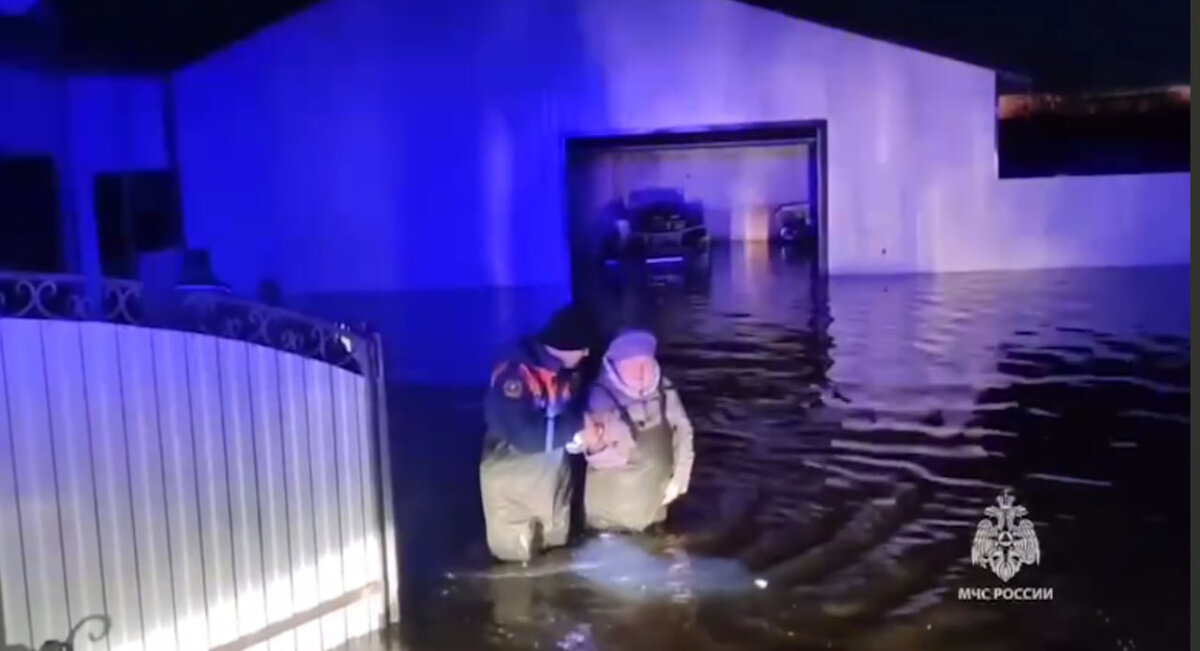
[535, 418]
[643, 459]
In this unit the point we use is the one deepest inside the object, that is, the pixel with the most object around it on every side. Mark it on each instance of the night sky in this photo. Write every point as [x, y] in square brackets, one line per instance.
[1061, 45]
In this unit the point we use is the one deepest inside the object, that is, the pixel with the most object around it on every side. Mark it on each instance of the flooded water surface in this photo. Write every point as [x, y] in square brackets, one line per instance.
[850, 438]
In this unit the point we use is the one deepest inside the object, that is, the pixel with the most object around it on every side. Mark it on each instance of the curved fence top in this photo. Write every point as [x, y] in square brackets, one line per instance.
[204, 311]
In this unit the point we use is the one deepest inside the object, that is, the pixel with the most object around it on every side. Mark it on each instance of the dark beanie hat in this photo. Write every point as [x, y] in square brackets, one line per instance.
[571, 328]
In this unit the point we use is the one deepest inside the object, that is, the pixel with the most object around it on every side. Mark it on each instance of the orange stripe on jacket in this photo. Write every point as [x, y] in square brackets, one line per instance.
[535, 379]
[539, 379]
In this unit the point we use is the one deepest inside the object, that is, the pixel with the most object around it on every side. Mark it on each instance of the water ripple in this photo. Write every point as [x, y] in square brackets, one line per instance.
[871, 422]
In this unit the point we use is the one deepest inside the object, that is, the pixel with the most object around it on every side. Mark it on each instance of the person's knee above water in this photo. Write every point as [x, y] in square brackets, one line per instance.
[535, 416]
[643, 460]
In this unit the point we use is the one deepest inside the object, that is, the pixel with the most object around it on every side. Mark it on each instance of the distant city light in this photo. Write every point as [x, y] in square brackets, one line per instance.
[1123, 102]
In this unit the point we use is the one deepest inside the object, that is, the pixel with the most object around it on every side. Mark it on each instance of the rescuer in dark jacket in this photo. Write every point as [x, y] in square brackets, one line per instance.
[535, 416]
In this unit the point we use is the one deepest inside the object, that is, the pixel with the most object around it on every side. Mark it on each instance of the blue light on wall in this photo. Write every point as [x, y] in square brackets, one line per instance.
[87, 125]
[17, 7]
[365, 148]
[369, 146]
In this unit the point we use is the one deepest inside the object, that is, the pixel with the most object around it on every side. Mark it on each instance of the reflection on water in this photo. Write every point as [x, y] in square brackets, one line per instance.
[846, 450]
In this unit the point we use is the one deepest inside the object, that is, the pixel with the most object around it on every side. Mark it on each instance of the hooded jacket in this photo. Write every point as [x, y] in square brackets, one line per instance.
[617, 406]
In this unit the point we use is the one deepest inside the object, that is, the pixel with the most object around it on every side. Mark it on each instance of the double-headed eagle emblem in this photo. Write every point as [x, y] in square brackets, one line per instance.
[1003, 543]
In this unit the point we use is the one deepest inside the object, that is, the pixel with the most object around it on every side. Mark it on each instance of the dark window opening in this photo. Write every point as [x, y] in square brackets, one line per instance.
[1137, 132]
[31, 238]
[136, 213]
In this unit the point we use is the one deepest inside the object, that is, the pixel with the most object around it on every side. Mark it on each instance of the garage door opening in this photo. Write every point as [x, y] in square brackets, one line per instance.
[667, 202]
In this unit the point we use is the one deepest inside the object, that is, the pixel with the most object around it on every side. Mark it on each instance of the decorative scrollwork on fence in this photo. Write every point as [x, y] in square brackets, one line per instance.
[42, 297]
[206, 312]
[232, 318]
[69, 643]
[122, 301]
